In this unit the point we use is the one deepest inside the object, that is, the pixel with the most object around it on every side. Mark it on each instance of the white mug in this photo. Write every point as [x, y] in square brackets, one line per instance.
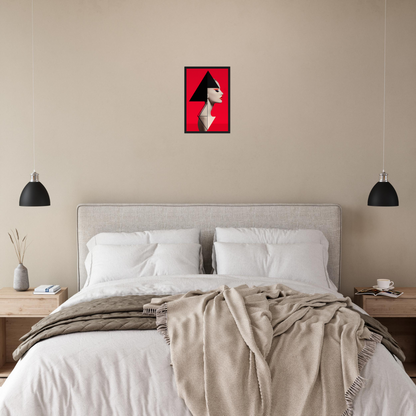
[384, 283]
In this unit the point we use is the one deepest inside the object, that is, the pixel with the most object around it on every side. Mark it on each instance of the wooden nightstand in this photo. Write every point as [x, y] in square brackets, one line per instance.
[399, 316]
[19, 311]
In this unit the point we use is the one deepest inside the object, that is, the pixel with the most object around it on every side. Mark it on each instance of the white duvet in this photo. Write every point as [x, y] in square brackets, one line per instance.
[128, 373]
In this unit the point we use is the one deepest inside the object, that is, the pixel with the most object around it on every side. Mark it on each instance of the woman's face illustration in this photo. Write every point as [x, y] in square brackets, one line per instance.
[215, 94]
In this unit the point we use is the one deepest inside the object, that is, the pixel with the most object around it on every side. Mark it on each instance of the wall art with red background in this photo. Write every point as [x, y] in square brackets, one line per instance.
[215, 117]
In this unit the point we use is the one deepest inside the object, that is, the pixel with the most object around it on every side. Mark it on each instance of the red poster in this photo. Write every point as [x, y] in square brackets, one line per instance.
[207, 99]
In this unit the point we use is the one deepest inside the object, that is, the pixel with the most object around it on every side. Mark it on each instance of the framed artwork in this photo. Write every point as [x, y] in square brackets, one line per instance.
[207, 99]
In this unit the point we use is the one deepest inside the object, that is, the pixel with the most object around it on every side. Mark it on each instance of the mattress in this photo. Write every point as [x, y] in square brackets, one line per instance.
[129, 372]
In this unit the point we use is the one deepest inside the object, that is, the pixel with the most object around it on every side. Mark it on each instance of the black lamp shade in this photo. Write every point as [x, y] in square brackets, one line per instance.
[383, 195]
[34, 194]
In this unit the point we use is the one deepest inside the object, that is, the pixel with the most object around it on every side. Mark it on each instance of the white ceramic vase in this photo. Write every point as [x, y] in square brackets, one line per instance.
[21, 278]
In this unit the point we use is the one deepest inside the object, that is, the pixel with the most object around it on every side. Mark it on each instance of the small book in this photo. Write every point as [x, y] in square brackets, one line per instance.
[47, 290]
[376, 292]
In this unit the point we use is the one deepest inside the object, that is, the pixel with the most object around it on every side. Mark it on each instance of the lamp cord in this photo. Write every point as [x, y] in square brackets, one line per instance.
[33, 96]
[384, 97]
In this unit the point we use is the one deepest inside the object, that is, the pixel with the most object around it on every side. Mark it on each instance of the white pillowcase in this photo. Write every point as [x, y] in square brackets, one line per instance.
[181, 236]
[269, 236]
[300, 262]
[115, 262]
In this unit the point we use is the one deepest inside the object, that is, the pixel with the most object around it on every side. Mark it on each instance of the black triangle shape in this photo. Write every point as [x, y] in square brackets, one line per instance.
[201, 93]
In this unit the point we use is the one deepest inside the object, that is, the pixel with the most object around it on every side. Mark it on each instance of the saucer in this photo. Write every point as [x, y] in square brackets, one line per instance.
[383, 288]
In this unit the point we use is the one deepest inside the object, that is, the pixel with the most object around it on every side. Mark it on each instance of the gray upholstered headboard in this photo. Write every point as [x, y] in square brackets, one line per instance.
[97, 218]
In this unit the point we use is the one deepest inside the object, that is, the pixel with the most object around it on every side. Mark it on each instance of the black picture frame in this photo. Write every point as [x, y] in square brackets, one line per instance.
[187, 94]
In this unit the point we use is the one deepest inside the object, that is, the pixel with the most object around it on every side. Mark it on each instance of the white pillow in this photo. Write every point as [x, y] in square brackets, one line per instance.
[300, 262]
[269, 236]
[115, 262]
[182, 236]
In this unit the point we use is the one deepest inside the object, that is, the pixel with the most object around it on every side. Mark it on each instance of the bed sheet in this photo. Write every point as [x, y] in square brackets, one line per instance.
[128, 372]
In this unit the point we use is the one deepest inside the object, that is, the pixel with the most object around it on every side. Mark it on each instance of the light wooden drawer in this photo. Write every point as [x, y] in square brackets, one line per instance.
[41, 306]
[387, 307]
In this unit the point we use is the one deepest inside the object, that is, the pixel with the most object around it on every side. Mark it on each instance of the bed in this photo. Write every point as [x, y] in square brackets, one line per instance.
[129, 372]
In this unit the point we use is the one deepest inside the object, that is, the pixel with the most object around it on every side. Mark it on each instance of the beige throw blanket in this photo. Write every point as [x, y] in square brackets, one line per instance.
[265, 351]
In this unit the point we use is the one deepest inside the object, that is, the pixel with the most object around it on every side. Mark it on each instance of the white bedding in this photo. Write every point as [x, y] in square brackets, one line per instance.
[128, 373]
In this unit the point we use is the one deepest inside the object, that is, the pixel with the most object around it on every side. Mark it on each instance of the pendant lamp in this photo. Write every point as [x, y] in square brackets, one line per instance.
[383, 194]
[34, 194]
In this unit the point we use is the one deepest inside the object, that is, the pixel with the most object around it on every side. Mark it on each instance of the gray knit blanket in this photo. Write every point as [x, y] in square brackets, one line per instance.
[106, 314]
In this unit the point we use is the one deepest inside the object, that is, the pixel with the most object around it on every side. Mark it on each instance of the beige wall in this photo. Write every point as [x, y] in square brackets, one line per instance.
[306, 113]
